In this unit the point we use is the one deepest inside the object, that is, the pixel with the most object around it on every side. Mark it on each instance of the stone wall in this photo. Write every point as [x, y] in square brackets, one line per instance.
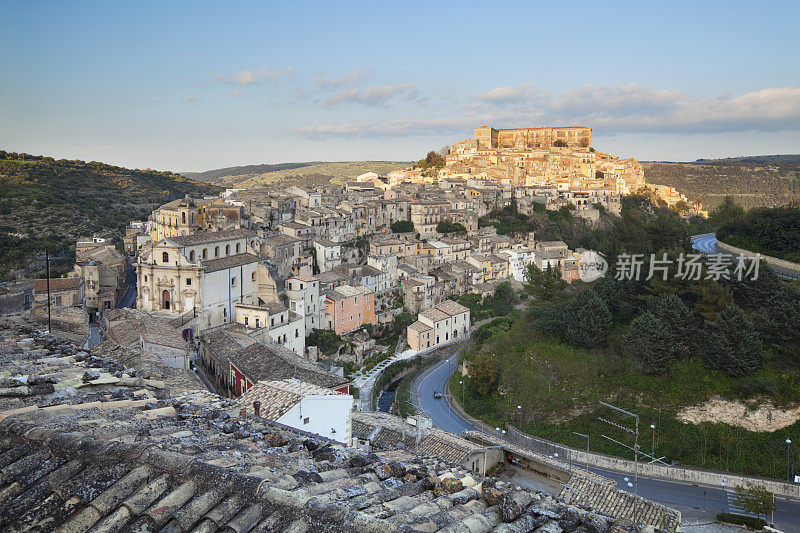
[670, 473]
[772, 261]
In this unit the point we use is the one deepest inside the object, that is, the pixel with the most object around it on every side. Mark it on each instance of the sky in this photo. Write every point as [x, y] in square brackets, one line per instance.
[191, 86]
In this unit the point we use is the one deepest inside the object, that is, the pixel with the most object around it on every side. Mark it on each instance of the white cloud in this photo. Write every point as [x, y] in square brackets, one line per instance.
[348, 79]
[391, 128]
[245, 78]
[190, 99]
[371, 96]
[510, 95]
[609, 109]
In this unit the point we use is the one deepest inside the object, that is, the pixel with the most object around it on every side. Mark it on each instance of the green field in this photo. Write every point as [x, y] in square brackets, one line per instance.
[559, 387]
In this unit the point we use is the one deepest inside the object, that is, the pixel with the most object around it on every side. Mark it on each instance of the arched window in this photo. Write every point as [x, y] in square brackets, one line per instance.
[191, 256]
[216, 251]
[227, 249]
[165, 257]
[205, 253]
[183, 217]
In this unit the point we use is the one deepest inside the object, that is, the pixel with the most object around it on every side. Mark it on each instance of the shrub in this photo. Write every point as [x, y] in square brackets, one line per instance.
[402, 226]
[741, 520]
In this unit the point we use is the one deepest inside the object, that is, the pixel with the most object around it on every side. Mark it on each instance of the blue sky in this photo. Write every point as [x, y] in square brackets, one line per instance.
[200, 85]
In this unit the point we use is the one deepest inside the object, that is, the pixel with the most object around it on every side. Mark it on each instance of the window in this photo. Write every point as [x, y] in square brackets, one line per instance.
[183, 217]
[296, 333]
[227, 249]
[233, 281]
[245, 321]
[258, 322]
[238, 247]
[305, 420]
[188, 281]
[272, 321]
[165, 257]
[290, 285]
[216, 251]
[253, 276]
[191, 256]
[145, 277]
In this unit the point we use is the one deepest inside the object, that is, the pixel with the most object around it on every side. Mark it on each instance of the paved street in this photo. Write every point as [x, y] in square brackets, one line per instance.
[707, 244]
[697, 504]
[129, 298]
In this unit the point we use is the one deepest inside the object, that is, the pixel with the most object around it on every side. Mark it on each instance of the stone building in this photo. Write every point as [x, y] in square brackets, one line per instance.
[202, 275]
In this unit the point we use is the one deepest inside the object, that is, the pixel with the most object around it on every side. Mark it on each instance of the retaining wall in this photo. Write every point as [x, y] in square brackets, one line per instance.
[772, 261]
[679, 474]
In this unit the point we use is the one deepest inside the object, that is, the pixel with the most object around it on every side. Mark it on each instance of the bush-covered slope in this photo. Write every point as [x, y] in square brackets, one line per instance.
[48, 203]
[753, 181]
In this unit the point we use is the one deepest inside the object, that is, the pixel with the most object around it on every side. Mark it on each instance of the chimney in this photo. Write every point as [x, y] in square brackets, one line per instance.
[257, 408]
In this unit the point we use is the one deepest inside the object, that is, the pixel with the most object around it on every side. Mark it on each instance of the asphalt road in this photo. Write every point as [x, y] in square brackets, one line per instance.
[129, 298]
[707, 244]
[697, 504]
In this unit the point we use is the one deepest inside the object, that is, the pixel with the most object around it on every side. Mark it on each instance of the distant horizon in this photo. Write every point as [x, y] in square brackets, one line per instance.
[203, 85]
[320, 161]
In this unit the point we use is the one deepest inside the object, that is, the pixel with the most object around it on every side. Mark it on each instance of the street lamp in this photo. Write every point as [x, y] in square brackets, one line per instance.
[723, 493]
[653, 453]
[461, 381]
[788, 444]
[519, 415]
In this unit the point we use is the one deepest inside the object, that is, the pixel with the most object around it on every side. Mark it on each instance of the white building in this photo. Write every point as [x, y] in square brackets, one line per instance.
[302, 406]
[518, 260]
[302, 293]
[283, 327]
[203, 275]
[387, 279]
[442, 324]
[329, 254]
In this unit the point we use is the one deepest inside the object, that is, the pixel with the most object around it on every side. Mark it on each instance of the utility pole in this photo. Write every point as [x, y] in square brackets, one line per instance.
[635, 432]
[587, 448]
[47, 262]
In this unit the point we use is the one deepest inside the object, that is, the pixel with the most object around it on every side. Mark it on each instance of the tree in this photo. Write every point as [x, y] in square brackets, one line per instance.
[779, 320]
[503, 299]
[547, 285]
[713, 298]
[677, 322]
[733, 344]
[726, 213]
[649, 341]
[589, 320]
[484, 371]
[445, 226]
[402, 226]
[755, 499]
[549, 318]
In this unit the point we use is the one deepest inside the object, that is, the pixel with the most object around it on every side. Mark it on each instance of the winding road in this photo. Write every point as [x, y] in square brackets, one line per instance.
[697, 504]
[707, 245]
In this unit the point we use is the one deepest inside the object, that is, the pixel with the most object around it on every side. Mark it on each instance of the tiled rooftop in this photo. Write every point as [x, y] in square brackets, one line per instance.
[209, 237]
[278, 397]
[213, 265]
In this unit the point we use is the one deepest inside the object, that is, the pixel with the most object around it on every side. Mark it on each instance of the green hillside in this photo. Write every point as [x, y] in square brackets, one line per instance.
[309, 173]
[47, 203]
[753, 181]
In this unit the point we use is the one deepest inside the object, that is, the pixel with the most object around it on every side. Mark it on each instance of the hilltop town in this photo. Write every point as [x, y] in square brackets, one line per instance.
[270, 319]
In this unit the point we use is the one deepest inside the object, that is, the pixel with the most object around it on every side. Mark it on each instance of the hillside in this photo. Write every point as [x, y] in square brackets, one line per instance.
[753, 181]
[309, 173]
[45, 203]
